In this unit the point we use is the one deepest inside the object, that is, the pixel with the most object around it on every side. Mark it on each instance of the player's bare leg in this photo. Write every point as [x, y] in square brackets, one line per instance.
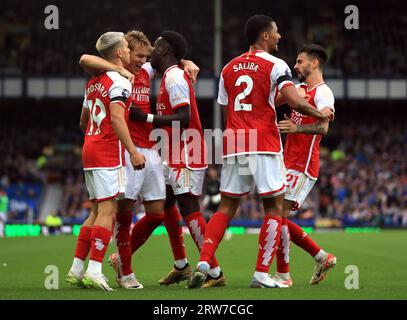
[100, 238]
[269, 239]
[75, 274]
[324, 261]
[215, 231]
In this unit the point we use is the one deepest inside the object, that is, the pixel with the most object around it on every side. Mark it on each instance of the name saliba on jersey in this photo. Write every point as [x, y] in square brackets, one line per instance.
[246, 66]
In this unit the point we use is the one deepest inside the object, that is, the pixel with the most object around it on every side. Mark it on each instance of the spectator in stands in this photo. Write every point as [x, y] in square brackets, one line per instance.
[211, 199]
[54, 223]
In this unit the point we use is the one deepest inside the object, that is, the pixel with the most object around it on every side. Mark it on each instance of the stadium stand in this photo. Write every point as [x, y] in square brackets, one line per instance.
[363, 179]
[352, 53]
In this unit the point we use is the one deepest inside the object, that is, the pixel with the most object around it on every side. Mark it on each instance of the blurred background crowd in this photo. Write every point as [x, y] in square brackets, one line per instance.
[377, 48]
[363, 176]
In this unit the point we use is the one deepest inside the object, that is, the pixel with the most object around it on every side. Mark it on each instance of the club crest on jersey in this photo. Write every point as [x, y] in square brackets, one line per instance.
[142, 81]
[125, 93]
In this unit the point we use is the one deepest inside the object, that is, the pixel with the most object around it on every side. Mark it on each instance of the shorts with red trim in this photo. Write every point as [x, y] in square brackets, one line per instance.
[147, 184]
[240, 173]
[184, 180]
[299, 185]
[105, 184]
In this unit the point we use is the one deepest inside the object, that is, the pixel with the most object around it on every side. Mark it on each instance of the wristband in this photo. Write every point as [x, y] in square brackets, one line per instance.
[150, 118]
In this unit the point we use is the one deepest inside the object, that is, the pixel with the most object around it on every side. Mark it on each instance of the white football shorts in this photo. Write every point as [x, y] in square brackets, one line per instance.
[240, 173]
[105, 184]
[184, 180]
[299, 186]
[147, 184]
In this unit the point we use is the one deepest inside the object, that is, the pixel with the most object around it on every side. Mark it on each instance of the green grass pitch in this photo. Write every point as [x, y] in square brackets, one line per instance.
[381, 259]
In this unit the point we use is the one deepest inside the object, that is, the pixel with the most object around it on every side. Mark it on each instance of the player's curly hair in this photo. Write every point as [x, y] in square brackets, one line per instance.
[177, 43]
[256, 25]
[135, 37]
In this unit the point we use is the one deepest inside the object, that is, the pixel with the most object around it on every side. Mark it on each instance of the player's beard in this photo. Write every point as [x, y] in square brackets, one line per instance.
[303, 75]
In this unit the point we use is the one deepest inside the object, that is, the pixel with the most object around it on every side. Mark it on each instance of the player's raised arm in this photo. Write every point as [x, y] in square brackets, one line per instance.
[182, 114]
[299, 104]
[280, 99]
[190, 68]
[287, 126]
[94, 64]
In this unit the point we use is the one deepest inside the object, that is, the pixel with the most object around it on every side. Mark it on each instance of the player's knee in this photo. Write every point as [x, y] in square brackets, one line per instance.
[229, 206]
[187, 204]
[156, 206]
[125, 205]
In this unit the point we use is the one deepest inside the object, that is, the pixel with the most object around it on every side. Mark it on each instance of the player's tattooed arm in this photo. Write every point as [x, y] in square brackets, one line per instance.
[190, 68]
[182, 114]
[287, 126]
[94, 64]
[299, 104]
[320, 127]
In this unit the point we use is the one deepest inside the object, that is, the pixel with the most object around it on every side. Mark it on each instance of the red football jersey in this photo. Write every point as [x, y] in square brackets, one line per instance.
[186, 148]
[247, 87]
[140, 131]
[102, 148]
[301, 151]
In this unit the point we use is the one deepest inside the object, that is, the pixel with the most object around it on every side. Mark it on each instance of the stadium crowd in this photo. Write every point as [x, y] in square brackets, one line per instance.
[363, 175]
[351, 51]
[363, 178]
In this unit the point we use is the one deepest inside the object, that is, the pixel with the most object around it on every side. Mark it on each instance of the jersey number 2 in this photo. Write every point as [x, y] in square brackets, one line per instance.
[96, 118]
[239, 106]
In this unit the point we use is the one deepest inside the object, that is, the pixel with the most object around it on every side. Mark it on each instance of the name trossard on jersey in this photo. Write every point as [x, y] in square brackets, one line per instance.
[102, 148]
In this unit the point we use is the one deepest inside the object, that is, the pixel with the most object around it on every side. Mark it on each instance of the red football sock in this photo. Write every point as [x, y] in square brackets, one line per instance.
[172, 223]
[283, 250]
[213, 235]
[83, 243]
[143, 229]
[269, 240]
[100, 239]
[197, 227]
[122, 237]
[301, 239]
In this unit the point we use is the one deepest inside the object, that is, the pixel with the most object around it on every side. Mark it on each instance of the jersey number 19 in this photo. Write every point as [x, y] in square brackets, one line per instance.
[96, 118]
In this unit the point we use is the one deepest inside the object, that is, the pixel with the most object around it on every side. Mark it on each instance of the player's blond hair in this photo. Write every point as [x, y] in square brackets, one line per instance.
[108, 42]
[135, 37]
